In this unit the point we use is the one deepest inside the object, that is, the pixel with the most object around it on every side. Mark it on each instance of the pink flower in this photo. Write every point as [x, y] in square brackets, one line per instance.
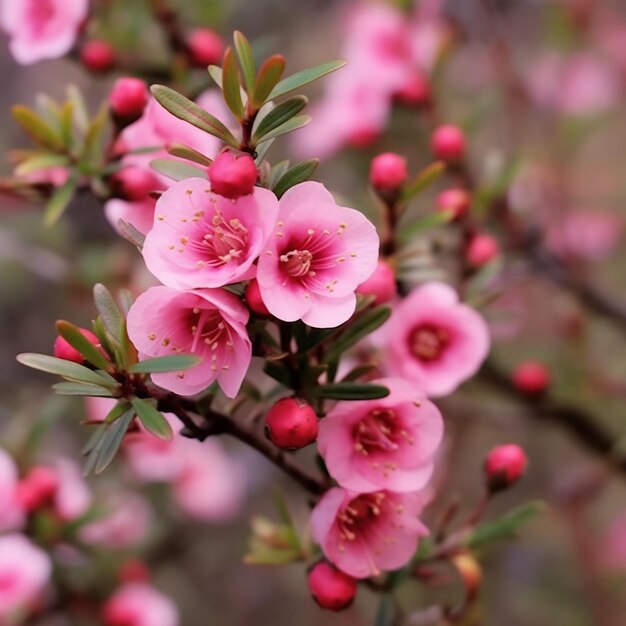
[11, 511]
[41, 29]
[435, 341]
[139, 604]
[364, 534]
[208, 322]
[200, 239]
[24, 572]
[139, 214]
[73, 497]
[382, 444]
[319, 254]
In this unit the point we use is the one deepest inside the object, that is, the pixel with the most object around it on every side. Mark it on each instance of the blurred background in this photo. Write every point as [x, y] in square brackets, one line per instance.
[539, 87]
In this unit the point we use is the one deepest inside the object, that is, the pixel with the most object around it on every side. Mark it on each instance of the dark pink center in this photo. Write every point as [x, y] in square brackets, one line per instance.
[427, 342]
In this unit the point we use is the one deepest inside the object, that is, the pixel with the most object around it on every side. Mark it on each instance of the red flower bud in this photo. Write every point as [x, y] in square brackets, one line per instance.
[448, 143]
[531, 377]
[254, 300]
[388, 172]
[482, 249]
[133, 571]
[381, 284]
[291, 424]
[205, 47]
[63, 350]
[127, 100]
[98, 55]
[504, 466]
[233, 175]
[415, 92]
[37, 488]
[330, 587]
[134, 183]
[457, 201]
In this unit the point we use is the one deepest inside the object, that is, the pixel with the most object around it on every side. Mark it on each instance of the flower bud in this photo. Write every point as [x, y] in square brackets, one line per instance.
[456, 201]
[205, 47]
[291, 424]
[482, 249]
[37, 488]
[133, 183]
[388, 172]
[381, 284]
[127, 100]
[448, 143]
[98, 55]
[415, 92]
[233, 175]
[63, 350]
[531, 377]
[254, 300]
[133, 571]
[330, 587]
[504, 466]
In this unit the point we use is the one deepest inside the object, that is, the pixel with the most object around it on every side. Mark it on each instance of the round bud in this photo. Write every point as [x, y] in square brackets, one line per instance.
[133, 571]
[291, 424]
[127, 100]
[37, 488]
[133, 183]
[205, 47]
[448, 143]
[233, 175]
[482, 249]
[415, 91]
[330, 587]
[504, 466]
[363, 138]
[63, 350]
[531, 377]
[98, 55]
[381, 284]
[388, 172]
[456, 201]
[254, 300]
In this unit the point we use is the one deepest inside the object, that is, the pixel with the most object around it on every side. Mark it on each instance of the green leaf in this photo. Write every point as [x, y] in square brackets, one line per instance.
[262, 150]
[152, 420]
[131, 234]
[428, 222]
[61, 367]
[177, 170]
[356, 330]
[424, 179]
[385, 614]
[185, 152]
[171, 363]
[77, 340]
[350, 391]
[231, 86]
[109, 311]
[267, 78]
[246, 60]
[293, 124]
[81, 389]
[93, 146]
[36, 127]
[359, 371]
[59, 201]
[279, 372]
[66, 124]
[39, 162]
[296, 174]
[81, 115]
[95, 437]
[112, 440]
[506, 527]
[184, 109]
[299, 79]
[278, 116]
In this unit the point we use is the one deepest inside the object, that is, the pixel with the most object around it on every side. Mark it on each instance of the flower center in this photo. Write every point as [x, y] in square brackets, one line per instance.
[358, 515]
[427, 342]
[379, 431]
[226, 241]
[296, 263]
[207, 326]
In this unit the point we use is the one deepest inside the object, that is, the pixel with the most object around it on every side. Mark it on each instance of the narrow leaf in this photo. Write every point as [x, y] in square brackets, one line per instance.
[231, 86]
[279, 115]
[77, 340]
[267, 78]
[94, 439]
[112, 440]
[299, 173]
[131, 234]
[109, 311]
[424, 179]
[177, 170]
[59, 201]
[428, 222]
[81, 389]
[350, 391]
[299, 79]
[39, 162]
[36, 128]
[185, 152]
[244, 53]
[293, 124]
[81, 115]
[61, 367]
[184, 109]
[171, 363]
[385, 614]
[359, 371]
[152, 420]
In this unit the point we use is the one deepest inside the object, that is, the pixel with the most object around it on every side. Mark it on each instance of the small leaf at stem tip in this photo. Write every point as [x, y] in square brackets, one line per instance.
[109, 311]
[279, 115]
[61, 367]
[36, 127]
[59, 201]
[152, 420]
[350, 391]
[171, 363]
[246, 60]
[111, 441]
[267, 78]
[77, 340]
[188, 111]
[296, 174]
[40, 161]
[299, 79]
[424, 179]
[231, 86]
[185, 152]
[176, 170]
[289, 126]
